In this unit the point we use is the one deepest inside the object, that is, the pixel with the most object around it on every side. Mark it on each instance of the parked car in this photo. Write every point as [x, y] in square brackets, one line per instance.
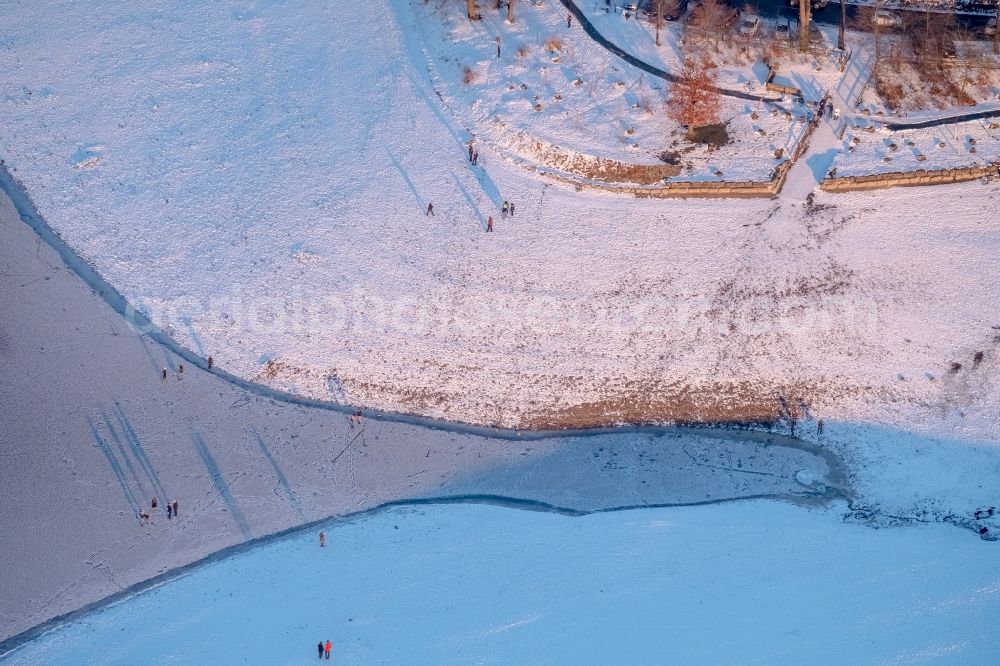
[991, 28]
[884, 19]
[749, 25]
[677, 11]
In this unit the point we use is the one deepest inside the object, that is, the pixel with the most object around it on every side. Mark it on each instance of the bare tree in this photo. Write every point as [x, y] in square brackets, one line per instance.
[668, 8]
[841, 41]
[996, 29]
[510, 11]
[868, 18]
[711, 20]
[472, 10]
[805, 16]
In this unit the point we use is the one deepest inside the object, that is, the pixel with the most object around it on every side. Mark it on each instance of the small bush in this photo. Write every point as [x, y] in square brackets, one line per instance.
[523, 51]
[890, 92]
[468, 76]
[964, 99]
[554, 44]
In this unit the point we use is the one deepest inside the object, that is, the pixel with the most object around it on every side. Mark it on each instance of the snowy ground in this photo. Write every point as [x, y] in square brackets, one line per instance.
[753, 583]
[256, 179]
[557, 100]
[951, 146]
[739, 59]
[90, 433]
[215, 183]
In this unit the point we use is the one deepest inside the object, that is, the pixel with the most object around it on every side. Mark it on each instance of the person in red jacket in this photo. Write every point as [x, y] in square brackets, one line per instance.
[329, 646]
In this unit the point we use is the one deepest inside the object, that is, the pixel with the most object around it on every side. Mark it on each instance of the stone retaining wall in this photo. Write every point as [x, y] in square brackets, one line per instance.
[908, 178]
[700, 189]
[690, 189]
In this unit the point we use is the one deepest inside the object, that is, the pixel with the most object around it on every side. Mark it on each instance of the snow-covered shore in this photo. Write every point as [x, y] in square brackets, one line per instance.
[90, 432]
[257, 182]
[196, 160]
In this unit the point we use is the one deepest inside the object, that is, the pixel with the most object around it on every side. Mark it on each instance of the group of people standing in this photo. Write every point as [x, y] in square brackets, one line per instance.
[171, 510]
[180, 369]
[508, 209]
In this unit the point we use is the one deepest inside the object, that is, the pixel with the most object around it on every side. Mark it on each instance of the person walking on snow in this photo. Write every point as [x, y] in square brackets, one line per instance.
[176, 513]
[470, 151]
[430, 208]
[154, 504]
[510, 209]
[180, 371]
[164, 374]
[498, 47]
[170, 511]
[475, 158]
[506, 207]
[209, 362]
[320, 648]
[489, 224]
[569, 20]
[329, 646]
[322, 540]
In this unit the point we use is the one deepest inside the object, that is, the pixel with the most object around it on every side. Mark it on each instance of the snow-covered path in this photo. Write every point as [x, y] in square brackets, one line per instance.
[808, 171]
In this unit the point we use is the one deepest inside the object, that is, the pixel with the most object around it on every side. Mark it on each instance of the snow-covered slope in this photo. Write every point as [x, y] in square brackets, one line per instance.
[256, 179]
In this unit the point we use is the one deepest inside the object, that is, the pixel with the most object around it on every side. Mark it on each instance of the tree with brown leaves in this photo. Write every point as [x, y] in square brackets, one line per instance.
[694, 99]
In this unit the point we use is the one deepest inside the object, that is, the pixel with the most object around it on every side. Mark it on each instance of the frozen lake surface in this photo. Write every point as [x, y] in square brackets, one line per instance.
[751, 582]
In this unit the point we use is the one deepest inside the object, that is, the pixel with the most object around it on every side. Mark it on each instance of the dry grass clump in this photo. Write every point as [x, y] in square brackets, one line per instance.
[554, 44]
[468, 76]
